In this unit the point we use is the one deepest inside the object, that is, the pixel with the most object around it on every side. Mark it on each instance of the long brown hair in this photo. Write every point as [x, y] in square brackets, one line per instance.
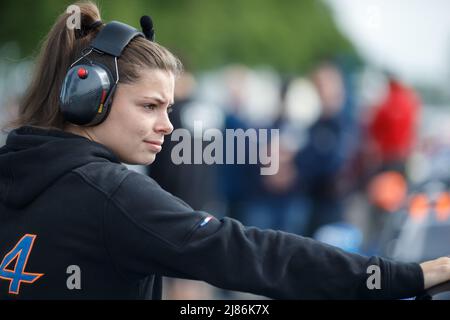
[62, 46]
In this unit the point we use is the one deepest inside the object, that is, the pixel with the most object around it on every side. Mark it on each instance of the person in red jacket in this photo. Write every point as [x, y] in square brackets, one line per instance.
[391, 134]
[394, 123]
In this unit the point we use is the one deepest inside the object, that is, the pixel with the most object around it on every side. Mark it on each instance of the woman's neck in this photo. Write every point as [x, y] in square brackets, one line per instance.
[81, 131]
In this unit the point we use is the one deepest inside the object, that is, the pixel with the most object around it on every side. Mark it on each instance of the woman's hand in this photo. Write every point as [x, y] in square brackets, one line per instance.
[436, 271]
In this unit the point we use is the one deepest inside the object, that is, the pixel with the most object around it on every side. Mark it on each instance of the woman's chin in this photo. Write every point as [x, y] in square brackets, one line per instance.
[149, 160]
[144, 161]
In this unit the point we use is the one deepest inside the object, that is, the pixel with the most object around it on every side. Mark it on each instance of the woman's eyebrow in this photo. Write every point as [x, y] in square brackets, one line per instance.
[160, 101]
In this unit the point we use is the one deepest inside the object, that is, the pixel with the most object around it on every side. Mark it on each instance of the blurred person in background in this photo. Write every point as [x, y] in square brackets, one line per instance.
[393, 126]
[390, 136]
[321, 160]
[277, 203]
[238, 182]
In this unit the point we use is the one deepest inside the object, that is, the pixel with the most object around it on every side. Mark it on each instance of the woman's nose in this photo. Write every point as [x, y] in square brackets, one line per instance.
[164, 125]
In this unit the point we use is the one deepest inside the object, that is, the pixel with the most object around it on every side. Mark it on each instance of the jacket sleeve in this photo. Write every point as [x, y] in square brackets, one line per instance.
[149, 231]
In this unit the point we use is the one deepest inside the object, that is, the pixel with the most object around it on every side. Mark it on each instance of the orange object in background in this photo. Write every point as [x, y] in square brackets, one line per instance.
[419, 207]
[387, 190]
[443, 206]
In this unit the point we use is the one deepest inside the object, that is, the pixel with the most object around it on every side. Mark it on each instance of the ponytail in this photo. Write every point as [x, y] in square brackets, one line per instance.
[40, 104]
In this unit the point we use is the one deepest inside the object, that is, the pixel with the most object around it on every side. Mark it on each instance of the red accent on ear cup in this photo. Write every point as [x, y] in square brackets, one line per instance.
[102, 100]
[82, 73]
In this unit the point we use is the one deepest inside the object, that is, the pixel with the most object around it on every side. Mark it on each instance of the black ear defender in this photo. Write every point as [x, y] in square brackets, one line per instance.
[88, 87]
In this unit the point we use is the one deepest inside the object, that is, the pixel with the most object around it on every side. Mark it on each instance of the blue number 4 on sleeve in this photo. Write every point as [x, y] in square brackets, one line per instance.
[20, 254]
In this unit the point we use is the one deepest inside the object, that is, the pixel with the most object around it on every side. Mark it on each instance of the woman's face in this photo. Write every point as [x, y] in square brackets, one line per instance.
[138, 120]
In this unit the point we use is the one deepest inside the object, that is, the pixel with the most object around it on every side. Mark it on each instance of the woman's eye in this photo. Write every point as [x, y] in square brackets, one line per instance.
[169, 109]
[150, 106]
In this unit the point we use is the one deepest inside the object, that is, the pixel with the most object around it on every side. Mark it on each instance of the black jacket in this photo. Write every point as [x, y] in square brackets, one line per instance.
[65, 200]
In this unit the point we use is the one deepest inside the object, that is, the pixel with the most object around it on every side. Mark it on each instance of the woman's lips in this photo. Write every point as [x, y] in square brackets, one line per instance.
[154, 145]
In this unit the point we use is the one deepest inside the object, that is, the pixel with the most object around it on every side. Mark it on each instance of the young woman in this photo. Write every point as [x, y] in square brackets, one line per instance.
[75, 223]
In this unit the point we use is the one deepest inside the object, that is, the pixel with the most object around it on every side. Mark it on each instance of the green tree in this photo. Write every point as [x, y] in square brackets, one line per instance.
[289, 35]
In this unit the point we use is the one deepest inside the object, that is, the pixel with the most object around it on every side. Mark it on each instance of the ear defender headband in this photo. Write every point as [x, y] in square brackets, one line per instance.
[88, 88]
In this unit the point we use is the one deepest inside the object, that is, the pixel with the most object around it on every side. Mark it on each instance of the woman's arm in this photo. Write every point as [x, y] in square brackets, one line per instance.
[149, 231]
[436, 271]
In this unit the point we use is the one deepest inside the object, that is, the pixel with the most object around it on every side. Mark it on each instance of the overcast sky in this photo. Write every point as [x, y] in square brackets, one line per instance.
[410, 37]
